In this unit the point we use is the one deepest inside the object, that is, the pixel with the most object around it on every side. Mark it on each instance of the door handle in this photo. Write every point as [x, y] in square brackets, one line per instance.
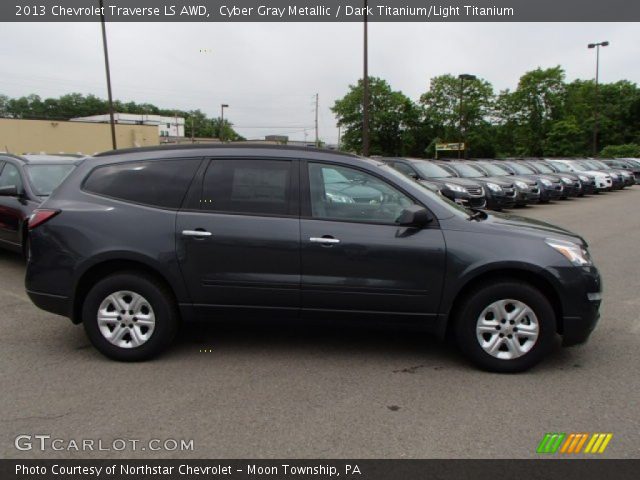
[196, 233]
[324, 240]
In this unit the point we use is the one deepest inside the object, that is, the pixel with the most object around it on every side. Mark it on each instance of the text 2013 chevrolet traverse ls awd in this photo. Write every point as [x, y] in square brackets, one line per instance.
[135, 242]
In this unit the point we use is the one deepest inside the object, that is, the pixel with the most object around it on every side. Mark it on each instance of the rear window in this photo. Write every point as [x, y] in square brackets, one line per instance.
[45, 178]
[160, 183]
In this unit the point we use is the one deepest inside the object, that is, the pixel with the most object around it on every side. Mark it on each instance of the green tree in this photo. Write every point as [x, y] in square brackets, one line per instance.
[564, 139]
[630, 150]
[443, 107]
[530, 110]
[393, 118]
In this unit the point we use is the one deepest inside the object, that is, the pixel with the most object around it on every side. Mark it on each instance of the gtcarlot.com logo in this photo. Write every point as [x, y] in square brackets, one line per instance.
[574, 443]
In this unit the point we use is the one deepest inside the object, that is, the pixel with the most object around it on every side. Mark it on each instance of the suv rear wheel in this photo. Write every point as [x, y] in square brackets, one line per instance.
[129, 316]
[506, 327]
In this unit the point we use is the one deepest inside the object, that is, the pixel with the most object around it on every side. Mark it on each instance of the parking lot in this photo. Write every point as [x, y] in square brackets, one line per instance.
[282, 392]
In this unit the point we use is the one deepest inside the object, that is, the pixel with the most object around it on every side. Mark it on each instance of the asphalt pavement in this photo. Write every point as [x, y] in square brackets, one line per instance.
[274, 391]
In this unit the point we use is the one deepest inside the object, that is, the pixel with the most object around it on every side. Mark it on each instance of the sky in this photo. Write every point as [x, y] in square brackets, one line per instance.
[269, 73]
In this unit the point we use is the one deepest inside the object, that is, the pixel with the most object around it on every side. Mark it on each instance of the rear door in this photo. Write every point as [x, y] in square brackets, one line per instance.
[238, 240]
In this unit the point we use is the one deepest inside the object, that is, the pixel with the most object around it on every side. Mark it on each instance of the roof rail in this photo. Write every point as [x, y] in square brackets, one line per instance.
[204, 146]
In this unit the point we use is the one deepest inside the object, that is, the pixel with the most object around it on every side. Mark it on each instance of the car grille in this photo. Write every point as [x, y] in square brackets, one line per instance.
[475, 191]
[510, 191]
[558, 186]
[535, 190]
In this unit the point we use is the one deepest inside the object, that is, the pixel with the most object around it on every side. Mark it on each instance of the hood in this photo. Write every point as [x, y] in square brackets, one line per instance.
[504, 221]
[529, 180]
[464, 182]
[502, 181]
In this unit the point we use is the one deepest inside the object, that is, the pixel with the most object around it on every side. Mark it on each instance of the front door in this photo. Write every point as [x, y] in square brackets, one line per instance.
[355, 259]
[238, 243]
[11, 207]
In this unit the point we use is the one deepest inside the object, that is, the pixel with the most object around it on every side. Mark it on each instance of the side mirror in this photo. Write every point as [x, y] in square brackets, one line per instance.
[414, 216]
[9, 191]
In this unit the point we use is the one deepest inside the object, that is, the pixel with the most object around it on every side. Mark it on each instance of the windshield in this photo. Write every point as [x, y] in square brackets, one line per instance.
[580, 167]
[493, 169]
[45, 178]
[543, 168]
[600, 164]
[431, 170]
[467, 171]
[561, 167]
[521, 169]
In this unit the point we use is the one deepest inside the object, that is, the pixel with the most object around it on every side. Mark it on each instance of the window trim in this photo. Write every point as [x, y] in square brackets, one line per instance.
[84, 190]
[192, 204]
[305, 195]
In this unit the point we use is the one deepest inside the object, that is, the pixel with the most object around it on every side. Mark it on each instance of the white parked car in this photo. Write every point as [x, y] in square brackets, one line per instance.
[603, 180]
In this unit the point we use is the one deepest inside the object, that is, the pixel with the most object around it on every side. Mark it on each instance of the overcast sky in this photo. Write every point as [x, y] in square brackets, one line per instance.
[269, 72]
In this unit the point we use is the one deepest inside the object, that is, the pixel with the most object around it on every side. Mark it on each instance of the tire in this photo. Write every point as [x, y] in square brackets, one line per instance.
[477, 319]
[143, 331]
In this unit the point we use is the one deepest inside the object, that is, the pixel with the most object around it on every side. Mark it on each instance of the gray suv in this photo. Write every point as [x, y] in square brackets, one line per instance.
[135, 242]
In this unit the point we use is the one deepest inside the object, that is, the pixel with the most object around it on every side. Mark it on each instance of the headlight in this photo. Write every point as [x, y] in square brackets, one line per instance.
[521, 185]
[573, 252]
[566, 180]
[455, 188]
[545, 182]
[583, 178]
[494, 187]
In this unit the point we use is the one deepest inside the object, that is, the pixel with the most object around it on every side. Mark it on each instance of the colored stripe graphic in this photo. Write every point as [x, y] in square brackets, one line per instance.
[551, 442]
[573, 443]
[598, 443]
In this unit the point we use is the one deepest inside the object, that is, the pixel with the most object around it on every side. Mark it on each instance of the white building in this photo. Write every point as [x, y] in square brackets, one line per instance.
[167, 126]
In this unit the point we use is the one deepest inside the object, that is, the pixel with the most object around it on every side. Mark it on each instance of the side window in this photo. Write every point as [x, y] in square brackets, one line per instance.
[259, 187]
[342, 193]
[160, 183]
[404, 168]
[11, 176]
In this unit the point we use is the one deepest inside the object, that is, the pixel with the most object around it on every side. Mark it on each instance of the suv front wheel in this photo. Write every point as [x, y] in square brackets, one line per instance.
[506, 327]
[129, 316]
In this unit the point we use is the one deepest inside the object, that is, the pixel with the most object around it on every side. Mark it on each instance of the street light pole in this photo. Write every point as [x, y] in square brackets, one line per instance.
[596, 112]
[108, 74]
[365, 86]
[462, 77]
[222, 107]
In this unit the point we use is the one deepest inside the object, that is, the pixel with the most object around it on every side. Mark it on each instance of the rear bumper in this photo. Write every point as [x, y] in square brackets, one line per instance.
[56, 304]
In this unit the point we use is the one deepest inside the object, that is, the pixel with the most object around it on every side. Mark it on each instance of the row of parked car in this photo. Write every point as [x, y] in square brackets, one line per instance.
[499, 184]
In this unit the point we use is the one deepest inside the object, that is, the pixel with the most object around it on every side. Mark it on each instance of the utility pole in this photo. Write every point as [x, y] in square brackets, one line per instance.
[221, 135]
[339, 136]
[317, 138]
[596, 110]
[365, 86]
[108, 74]
[193, 134]
[462, 77]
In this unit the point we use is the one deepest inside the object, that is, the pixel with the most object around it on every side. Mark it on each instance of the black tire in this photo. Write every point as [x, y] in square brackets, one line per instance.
[161, 302]
[474, 304]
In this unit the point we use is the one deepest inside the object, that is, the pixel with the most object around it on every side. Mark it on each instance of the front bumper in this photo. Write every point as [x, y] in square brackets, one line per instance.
[497, 201]
[581, 304]
[526, 197]
[551, 193]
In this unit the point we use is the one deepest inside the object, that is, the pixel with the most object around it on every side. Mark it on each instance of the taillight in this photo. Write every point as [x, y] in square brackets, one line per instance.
[41, 215]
